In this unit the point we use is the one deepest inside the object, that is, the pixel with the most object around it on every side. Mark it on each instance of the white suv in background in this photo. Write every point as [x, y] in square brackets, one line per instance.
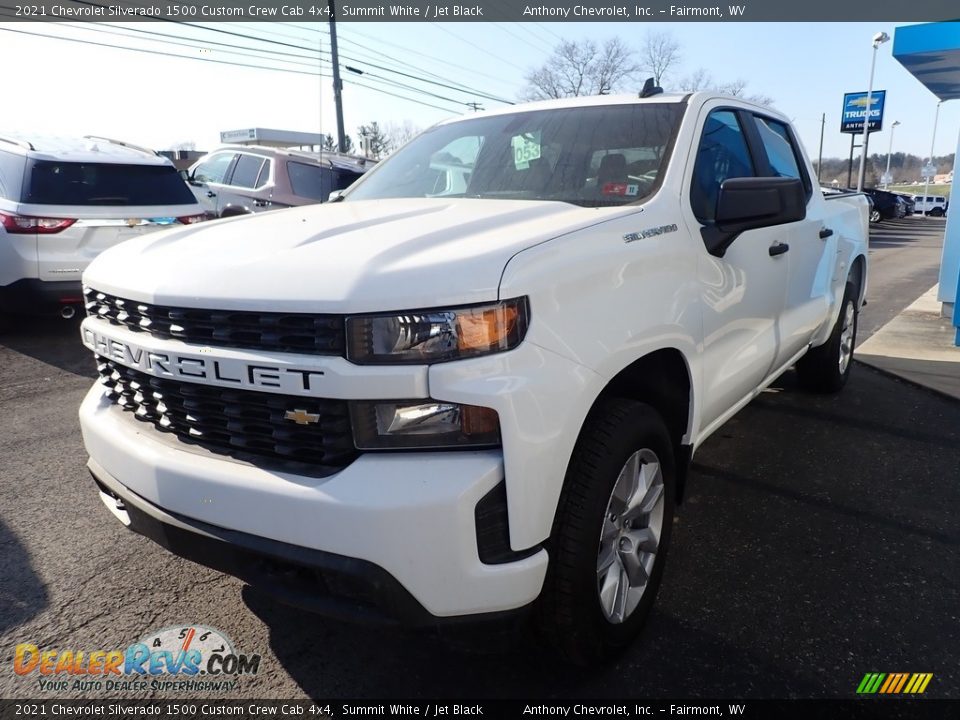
[933, 205]
[64, 200]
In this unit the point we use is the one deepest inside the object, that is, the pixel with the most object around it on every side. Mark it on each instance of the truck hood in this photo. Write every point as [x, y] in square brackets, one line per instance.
[347, 257]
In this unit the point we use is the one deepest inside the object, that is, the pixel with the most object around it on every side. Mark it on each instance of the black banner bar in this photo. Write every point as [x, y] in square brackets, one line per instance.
[873, 707]
[642, 11]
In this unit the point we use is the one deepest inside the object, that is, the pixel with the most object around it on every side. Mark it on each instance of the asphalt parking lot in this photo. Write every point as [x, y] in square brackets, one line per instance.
[819, 541]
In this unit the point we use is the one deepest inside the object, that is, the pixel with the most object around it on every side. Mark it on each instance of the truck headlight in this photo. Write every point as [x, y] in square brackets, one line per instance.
[427, 336]
[422, 424]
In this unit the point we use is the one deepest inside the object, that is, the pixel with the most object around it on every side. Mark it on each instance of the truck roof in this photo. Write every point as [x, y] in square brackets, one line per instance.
[622, 99]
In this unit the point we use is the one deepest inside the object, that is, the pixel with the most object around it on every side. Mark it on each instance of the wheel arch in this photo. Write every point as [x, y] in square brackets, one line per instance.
[663, 380]
[858, 274]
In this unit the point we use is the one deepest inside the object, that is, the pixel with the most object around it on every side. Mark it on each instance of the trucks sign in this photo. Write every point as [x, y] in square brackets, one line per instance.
[855, 108]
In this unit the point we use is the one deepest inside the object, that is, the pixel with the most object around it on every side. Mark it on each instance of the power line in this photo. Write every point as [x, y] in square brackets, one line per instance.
[445, 61]
[431, 82]
[151, 52]
[86, 27]
[211, 60]
[311, 50]
[407, 87]
[481, 49]
[506, 29]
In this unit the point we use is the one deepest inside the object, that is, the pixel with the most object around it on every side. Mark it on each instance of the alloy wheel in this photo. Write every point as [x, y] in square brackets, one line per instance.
[630, 536]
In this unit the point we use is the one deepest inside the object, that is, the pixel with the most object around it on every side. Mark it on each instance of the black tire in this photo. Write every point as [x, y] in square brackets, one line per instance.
[936, 212]
[569, 610]
[874, 216]
[820, 369]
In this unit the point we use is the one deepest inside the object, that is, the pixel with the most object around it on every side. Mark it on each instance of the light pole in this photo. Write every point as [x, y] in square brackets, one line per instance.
[886, 175]
[878, 40]
[933, 140]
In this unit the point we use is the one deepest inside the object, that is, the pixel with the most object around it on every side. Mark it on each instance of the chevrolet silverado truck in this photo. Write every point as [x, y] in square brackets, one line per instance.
[473, 397]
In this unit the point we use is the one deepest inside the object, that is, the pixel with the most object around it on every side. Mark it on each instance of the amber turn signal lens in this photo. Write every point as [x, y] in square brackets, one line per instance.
[486, 329]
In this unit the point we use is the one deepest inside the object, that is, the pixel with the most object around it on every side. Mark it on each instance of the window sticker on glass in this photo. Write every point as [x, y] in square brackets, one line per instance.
[526, 147]
[627, 189]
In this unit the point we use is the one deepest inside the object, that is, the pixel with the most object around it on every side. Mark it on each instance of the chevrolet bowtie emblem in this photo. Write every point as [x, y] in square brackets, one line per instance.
[301, 417]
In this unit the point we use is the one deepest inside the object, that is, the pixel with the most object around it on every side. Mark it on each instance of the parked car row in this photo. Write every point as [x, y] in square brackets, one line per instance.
[887, 205]
[65, 200]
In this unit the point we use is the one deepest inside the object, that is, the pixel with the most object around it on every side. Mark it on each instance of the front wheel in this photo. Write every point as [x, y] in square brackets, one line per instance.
[611, 533]
[826, 368]
[874, 216]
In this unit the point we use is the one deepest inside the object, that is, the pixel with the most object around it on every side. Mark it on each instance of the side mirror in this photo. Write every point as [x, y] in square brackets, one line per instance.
[753, 202]
[335, 196]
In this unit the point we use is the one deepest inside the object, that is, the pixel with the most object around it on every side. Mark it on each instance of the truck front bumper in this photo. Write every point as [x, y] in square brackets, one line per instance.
[391, 537]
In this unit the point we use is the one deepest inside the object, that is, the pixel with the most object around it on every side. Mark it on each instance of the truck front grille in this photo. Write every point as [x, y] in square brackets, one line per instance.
[242, 423]
[277, 332]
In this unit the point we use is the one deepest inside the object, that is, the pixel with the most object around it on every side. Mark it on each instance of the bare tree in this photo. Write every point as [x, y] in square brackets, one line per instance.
[700, 79]
[660, 52]
[400, 133]
[582, 68]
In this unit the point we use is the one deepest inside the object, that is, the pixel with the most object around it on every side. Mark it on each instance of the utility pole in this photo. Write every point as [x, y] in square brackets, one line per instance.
[337, 83]
[823, 123]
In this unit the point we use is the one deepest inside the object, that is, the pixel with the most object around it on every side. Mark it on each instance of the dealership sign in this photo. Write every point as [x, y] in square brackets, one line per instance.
[855, 109]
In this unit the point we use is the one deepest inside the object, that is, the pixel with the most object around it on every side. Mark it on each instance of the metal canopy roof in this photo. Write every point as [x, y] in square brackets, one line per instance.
[931, 53]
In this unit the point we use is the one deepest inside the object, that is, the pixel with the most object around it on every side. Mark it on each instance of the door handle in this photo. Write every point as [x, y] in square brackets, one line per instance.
[778, 249]
[261, 203]
[825, 233]
[211, 193]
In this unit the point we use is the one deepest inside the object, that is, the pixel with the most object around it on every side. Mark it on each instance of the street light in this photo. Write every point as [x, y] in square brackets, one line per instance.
[886, 175]
[878, 40]
[933, 140]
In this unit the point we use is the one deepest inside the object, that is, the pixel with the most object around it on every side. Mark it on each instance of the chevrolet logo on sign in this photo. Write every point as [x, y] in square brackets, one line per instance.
[301, 417]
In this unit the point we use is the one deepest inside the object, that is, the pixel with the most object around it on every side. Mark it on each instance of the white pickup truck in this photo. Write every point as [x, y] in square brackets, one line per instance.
[445, 399]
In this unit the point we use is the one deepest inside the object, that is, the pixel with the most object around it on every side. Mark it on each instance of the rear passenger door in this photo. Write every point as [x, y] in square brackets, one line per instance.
[813, 246]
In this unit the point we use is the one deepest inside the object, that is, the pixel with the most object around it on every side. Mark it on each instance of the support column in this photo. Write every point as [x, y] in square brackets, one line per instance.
[950, 260]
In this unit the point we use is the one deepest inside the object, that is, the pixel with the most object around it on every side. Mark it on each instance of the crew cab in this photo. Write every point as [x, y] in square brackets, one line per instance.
[429, 407]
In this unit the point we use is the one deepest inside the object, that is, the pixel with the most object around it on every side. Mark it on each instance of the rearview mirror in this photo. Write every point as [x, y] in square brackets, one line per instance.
[753, 202]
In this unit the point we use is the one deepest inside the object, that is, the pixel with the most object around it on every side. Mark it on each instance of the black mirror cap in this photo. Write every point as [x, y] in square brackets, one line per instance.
[749, 203]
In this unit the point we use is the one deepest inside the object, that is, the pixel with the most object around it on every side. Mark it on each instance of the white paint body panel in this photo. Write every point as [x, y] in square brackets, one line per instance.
[598, 304]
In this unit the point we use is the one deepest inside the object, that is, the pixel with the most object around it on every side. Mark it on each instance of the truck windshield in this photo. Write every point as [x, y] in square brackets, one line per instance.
[589, 156]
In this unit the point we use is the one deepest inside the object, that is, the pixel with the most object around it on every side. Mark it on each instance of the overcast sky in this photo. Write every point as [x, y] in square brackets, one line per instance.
[63, 87]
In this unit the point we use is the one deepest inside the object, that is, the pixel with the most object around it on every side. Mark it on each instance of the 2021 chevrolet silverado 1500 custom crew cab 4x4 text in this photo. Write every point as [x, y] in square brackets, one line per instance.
[428, 406]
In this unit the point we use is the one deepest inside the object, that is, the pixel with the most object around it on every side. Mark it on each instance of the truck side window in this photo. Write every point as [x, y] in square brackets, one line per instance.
[781, 152]
[723, 153]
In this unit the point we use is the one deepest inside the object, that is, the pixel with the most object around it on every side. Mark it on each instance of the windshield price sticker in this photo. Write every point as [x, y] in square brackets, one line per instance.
[525, 148]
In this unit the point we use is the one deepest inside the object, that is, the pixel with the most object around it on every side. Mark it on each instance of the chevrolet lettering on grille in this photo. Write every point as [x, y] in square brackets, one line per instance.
[201, 368]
